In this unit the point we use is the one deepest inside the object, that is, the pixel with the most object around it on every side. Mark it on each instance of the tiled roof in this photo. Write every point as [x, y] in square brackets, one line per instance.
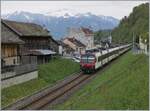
[87, 31]
[76, 42]
[8, 36]
[26, 29]
[61, 43]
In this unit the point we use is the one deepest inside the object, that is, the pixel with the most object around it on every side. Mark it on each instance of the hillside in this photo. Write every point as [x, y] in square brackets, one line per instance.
[57, 25]
[121, 86]
[136, 23]
[98, 35]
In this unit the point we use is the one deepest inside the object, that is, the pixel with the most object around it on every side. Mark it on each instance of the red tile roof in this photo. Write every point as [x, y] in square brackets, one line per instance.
[76, 42]
[87, 31]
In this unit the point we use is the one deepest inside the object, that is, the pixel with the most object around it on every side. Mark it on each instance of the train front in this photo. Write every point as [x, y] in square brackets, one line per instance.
[87, 63]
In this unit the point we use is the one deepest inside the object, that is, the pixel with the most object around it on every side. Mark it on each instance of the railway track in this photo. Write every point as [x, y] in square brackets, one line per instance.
[49, 96]
[52, 95]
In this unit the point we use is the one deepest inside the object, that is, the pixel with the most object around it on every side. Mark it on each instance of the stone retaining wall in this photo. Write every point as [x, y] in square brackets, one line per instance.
[19, 79]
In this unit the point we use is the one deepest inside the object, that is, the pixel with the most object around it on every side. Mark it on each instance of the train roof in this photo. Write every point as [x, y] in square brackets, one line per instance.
[88, 54]
[102, 52]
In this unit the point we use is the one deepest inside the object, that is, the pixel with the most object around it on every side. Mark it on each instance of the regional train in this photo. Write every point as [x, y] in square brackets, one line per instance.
[91, 61]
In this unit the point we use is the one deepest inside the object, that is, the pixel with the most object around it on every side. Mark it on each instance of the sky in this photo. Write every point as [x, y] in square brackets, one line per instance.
[117, 9]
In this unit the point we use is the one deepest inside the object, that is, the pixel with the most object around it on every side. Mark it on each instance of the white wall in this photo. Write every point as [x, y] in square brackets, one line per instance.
[60, 49]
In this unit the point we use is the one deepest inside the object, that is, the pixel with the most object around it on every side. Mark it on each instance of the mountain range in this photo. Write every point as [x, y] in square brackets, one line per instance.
[58, 24]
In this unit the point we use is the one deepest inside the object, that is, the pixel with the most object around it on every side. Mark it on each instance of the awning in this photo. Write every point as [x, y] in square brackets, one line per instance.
[42, 52]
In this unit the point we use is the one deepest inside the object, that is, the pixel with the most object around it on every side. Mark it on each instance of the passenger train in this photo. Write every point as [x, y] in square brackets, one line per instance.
[92, 61]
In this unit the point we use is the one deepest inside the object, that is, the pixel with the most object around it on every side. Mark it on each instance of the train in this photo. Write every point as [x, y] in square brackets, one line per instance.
[91, 61]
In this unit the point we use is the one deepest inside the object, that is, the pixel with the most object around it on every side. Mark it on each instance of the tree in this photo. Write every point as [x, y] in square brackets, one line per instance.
[137, 22]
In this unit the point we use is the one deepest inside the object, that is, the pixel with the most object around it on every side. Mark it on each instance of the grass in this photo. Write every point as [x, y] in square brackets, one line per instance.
[49, 74]
[124, 85]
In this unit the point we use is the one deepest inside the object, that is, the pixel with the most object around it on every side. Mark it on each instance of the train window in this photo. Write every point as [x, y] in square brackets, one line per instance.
[91, 59]
[84, 59]
[99, 58]
[87, 58]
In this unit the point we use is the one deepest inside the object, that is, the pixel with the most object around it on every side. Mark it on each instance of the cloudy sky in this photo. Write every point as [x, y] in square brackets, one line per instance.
[117, 9]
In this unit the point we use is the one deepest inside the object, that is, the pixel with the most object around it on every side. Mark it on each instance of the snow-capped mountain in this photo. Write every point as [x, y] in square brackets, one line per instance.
[62, 12]
[57, 22]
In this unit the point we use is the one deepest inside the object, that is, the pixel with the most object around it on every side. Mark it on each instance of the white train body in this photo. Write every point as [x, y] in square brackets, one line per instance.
[93, 61]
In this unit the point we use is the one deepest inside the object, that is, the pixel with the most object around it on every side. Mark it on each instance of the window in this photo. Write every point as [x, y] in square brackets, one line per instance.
[14, 61]
[88, 58]
[99, 58]
[76, 49]
[3, 62]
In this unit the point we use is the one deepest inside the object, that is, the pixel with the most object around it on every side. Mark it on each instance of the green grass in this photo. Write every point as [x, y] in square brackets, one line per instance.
[49, 74]
[124, 85]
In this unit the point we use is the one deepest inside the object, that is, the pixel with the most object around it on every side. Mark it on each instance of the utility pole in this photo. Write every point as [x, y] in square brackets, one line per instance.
[133, 43]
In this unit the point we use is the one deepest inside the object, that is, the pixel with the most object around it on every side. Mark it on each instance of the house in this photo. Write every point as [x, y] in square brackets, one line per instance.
[144, 45]
[76, 45]
[65, 49]
[13, 69]
[61, 47]
[84, 35]
[10, 47]
[38, 41]
[106, 42]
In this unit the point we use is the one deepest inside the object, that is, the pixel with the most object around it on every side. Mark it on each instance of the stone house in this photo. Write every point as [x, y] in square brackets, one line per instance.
[84, 35]
[38, 41]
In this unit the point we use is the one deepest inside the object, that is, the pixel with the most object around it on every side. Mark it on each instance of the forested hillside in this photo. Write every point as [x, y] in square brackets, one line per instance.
[136, 23]
[101, 34]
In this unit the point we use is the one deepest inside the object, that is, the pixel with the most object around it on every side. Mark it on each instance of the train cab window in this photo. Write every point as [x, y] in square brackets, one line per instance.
[91, 59]
[87, 58]
[84, 59]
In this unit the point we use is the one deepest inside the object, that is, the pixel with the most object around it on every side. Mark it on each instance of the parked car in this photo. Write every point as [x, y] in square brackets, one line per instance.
[76, 57]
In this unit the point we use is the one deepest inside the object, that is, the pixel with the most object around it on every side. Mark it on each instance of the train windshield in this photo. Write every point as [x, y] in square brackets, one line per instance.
[87, 59]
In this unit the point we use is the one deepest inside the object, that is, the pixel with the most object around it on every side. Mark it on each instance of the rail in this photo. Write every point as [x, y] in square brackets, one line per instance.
[49, 96]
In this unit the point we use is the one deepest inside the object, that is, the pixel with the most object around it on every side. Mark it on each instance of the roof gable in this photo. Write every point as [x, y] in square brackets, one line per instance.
[26, 29]
[7, 36]
[87, 31]
[76, 42]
